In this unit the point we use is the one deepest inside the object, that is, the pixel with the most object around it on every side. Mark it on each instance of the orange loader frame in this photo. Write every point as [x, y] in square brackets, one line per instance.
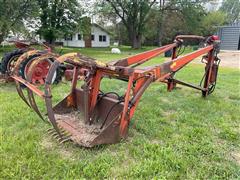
[105, 117]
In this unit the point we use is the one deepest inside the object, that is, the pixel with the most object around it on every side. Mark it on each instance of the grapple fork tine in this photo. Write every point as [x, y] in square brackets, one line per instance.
[50, 129]
[61, 139]
[34, 105]
[65, 133]
[52, 133]
[65, 140]
[56, 136]
[20, 93]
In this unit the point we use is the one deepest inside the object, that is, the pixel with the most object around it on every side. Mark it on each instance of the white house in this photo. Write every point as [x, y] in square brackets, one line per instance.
[99, 38]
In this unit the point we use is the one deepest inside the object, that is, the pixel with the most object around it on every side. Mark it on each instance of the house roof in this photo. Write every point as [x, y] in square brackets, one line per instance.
[102, 28]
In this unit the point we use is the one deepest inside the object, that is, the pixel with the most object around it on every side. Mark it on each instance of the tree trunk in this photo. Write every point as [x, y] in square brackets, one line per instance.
[160, 34]
[134, 37]
[160, 28]
[1, 38]
[50, 41]
[3, 33]
[136, 42]
[160, 22]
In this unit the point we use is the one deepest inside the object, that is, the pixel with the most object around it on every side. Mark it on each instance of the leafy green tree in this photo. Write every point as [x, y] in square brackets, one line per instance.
[232, 9]
[192, 13]
[58, 18]
[13, 13]
[212, 21]
[175, 16]
[134, 15]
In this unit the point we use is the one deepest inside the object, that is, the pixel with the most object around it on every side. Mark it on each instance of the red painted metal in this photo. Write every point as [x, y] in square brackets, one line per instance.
[40, 71]
[215, 38]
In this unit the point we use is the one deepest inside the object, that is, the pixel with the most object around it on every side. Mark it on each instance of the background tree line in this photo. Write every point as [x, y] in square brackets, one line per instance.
[156, 22]
[135, 22]
[51, 19]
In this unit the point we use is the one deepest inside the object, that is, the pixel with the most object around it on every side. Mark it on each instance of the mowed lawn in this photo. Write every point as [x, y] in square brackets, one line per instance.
[177, 135]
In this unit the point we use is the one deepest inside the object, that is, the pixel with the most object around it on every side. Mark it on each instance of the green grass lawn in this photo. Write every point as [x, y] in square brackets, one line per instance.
[177, 135]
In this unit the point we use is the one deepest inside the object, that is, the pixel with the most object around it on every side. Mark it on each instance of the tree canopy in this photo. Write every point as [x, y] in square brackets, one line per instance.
[58, 18]
[212, 21]
[13, 13]
[232, 10]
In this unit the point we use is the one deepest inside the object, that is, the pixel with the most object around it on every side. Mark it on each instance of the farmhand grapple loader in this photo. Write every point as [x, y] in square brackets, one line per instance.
[88, 116]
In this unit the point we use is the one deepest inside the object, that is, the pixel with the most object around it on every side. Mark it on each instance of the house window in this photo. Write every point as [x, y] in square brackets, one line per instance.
[79, 37]
[93, 37]
[102, 38]
[68, 38]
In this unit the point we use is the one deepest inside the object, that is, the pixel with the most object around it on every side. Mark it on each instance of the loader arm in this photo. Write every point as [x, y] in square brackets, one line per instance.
[143, 57]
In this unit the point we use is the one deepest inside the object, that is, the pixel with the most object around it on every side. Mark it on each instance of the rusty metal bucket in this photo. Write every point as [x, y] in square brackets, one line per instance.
[102, 127]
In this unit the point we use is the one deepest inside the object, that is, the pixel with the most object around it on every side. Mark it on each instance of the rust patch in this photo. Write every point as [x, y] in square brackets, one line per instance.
[70, 101]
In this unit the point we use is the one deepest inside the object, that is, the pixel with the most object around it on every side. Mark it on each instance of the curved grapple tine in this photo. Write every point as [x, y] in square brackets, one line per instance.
[15, 72]
[20, 93]
[34, 105]
[60, 133]
[51, 115]
[65, 139]
[48, 95]
[31, 97]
